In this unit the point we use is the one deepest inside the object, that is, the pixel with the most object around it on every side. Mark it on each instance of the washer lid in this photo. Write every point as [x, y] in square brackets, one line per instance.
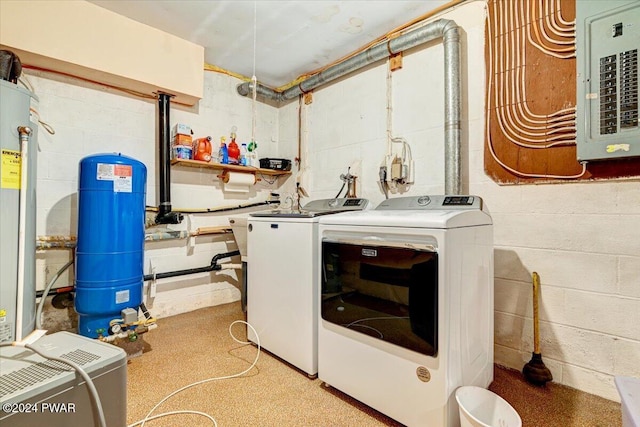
[317, 207]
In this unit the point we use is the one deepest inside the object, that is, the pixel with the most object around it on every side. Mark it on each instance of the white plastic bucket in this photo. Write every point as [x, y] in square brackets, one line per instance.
[629, 390]
[480, 407]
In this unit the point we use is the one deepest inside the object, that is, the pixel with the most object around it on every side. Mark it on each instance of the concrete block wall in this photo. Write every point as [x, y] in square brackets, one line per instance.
[582, 238]
[90, 119]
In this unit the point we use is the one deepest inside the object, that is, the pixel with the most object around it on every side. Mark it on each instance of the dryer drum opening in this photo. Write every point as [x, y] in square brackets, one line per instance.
[392, 296]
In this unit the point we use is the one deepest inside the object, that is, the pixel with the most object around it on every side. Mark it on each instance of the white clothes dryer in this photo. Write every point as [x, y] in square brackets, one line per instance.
[406, 305]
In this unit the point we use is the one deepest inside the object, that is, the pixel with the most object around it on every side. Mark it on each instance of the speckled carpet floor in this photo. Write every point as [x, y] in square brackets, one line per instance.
[196, 346]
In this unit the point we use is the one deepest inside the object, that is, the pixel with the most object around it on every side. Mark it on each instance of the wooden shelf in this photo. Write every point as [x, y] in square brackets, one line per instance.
[231, 168]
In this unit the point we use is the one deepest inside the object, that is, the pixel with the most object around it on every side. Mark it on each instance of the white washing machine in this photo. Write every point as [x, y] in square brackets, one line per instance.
[282, 284]
[406, 305]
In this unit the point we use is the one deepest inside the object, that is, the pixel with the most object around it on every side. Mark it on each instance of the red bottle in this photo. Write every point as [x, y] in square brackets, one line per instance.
[202, 149]
[234, 151]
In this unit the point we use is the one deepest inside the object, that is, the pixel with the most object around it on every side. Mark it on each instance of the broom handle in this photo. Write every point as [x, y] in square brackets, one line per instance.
[536, 332]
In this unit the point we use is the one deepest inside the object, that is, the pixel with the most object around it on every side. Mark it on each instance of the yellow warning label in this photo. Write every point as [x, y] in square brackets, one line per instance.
[11, 164]
[617, 147]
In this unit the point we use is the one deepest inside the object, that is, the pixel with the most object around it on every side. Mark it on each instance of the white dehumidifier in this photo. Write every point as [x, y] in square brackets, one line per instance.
[35, 391]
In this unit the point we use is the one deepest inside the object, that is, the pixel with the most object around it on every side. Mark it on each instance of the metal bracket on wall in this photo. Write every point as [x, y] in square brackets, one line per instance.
[395, 61]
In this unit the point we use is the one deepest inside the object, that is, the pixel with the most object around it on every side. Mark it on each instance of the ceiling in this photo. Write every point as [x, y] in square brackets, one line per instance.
[291, 37]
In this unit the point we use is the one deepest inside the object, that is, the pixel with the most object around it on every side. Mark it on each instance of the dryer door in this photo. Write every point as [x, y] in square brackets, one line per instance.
[389, 293]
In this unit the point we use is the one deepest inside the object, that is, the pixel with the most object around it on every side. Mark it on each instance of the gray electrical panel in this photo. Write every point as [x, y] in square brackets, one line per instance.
[607, 44]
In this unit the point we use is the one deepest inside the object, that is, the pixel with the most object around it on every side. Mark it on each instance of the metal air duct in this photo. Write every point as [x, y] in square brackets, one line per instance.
[442, 28]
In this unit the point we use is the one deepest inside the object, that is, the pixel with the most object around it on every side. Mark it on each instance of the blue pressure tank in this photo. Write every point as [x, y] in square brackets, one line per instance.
[110, 247]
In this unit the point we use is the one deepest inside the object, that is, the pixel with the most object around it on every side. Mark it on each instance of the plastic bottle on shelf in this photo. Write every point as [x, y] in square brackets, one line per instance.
[252, 156]
[233, 149]
[202, 149]
[243, 155]
[223, 155]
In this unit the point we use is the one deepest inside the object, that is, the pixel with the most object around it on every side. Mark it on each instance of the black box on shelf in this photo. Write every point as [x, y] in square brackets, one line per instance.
[276, 164]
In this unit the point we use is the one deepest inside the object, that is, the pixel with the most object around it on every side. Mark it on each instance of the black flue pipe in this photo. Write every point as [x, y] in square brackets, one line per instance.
[211, 267]
[163, 150]
[165, 215]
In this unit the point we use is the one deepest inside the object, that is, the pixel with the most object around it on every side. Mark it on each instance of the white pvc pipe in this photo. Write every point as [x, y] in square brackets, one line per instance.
[548, 37]
[231, 266]
[491, 76]
[564, 114]
[567, 114]
[512, 117]
[558, 114]
[549, 51]
[520, 101]
[24, 132]
[505, 67]
[561, 20]
[550, 18]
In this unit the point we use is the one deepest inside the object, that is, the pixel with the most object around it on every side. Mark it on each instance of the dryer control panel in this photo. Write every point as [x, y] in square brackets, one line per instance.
[439, 202]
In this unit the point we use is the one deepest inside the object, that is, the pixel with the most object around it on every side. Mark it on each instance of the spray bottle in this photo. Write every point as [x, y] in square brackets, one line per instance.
[223, 156]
